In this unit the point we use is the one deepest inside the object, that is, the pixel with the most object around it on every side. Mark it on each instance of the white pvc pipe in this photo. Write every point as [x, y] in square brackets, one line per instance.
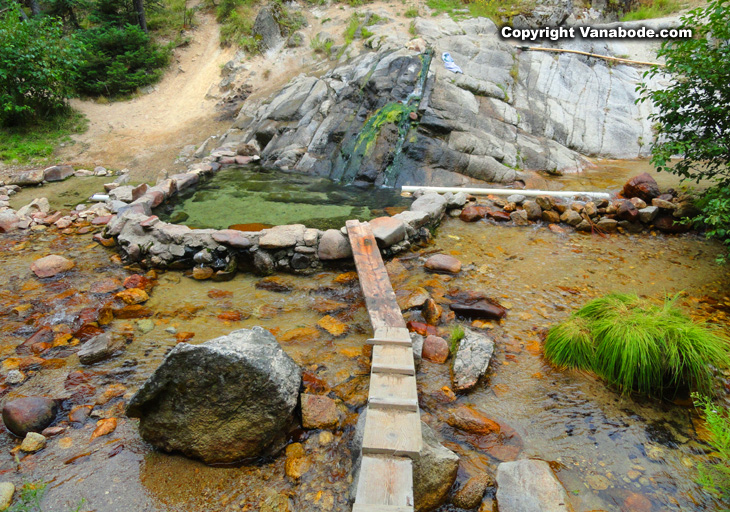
[99, 197]
[507, 191]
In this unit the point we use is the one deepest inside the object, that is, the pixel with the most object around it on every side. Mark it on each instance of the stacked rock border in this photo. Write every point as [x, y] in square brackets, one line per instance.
[218, 254]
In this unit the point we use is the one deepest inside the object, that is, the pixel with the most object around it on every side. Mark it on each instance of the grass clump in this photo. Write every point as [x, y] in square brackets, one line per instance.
[457, 334]
[645, 10]
[35, 143]
[715, 478]
[321, 46]
[636, 345]
[411, 12]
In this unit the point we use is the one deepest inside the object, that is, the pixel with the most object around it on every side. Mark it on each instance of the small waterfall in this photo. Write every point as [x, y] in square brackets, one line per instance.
[350, 160]
[412, 103]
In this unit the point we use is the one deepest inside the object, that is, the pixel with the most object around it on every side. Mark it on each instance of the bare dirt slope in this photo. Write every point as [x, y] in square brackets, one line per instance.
[146, 134]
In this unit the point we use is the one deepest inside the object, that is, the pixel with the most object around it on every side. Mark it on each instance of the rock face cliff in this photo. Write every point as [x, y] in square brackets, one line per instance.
[394, 116]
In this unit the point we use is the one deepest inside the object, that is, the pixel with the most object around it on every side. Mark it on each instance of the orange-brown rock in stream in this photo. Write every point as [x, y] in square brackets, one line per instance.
[432, 312]
[471, 420]
[435, 349]
[52, 265]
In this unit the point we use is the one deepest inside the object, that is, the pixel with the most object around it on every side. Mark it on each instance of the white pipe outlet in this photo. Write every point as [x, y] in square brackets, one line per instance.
[507, 191]
[99, 197]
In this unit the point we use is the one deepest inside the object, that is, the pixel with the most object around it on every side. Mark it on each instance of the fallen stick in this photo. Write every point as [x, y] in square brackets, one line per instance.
[604, 57]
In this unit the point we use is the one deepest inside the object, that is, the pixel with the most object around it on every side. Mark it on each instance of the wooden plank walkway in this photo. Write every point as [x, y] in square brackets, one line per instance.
[392, 438]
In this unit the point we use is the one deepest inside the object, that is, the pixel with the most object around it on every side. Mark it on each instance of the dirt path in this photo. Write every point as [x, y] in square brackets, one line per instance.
[146, 134]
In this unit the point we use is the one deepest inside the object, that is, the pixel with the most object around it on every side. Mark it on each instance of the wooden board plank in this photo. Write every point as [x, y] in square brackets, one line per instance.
[374, 281]
[391, 336]
[380, 508]
[392, 432]
[385, 481]
[393, 391]
[393, 359]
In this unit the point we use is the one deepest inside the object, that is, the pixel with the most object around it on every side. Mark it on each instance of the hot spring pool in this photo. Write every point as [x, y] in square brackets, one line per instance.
[252, 195]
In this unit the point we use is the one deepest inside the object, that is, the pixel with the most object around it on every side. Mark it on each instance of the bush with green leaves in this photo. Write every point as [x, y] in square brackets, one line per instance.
[692, 116]
[118, 60]
[37, 68]
[714, 216]
[715, 477]
[636, 345]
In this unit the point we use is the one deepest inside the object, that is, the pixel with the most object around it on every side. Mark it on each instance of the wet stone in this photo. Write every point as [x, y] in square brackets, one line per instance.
[469, 419]
[7, 489]
[318, 412]
[29, 414]
[14, 377]
[201, 384]
[50, 266]
[529, 486]
[471, 493]
[443, 263]
[435, 349]
[519, 217]
[99, 348]
[472, 360]
[33, 442]
[388, 230]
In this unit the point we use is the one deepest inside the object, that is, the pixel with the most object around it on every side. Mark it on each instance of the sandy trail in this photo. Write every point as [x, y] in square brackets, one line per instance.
[146, 134]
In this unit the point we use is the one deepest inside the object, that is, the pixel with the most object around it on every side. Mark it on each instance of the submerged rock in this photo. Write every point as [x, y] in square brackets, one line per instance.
[33, 442]
[7, 489]
[221, 401]
[29, 414]
[51, 265]
[472, 360]
[318, 411]
[471, 493]
[443, 263]
[530, 486]
[99, 347]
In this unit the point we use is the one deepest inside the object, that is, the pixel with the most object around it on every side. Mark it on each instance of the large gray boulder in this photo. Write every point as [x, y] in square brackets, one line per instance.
[530, 486]
[221, 401]
[472, 360]
[266, 28]
[434, 472]
[509, 110]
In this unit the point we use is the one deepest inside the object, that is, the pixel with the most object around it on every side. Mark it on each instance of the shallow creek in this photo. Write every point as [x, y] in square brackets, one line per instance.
[611, 452]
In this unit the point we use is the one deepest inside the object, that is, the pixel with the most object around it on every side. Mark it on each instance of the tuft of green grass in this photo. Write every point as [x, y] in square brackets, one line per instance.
[29, 499]
[411, 12]
[715, 477]
[320, 46]
[636, 345]
[570, 344]
[457, 334]
[35, 143]
[412, 29]
[652, 9]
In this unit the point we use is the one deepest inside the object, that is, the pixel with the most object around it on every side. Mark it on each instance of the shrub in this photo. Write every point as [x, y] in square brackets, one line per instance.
[119, 60]
[714, 215]
[715, 478]
[37, 66]
[691, 111]
[638, 346]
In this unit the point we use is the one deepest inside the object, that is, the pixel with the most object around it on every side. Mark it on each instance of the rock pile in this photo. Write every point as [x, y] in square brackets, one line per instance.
[642, 207]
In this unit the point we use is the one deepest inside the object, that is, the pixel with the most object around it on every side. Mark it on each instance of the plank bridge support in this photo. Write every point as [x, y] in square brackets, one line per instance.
[392, 438]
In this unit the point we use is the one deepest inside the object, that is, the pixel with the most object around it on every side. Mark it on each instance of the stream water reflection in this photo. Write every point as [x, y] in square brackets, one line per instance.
[611, 452]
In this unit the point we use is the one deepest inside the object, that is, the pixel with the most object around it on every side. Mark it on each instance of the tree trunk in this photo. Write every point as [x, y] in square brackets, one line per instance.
[35, 8]
[139, 7]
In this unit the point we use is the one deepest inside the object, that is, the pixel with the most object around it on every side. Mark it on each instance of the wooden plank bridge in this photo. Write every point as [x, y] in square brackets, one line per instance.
[392, 437]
